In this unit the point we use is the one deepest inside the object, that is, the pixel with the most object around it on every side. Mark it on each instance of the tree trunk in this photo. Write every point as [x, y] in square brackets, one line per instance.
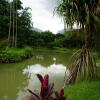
[64, 25]
[9, 35]
[13, 43]
[16, 27]
[90, 31]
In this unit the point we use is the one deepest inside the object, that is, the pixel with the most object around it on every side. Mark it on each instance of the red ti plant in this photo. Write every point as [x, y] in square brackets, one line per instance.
[60, 96]
[46, 91]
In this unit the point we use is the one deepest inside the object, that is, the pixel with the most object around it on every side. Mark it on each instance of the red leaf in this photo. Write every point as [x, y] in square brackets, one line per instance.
[46, 80]
[40, 78]
[62, 93]
[50, 90]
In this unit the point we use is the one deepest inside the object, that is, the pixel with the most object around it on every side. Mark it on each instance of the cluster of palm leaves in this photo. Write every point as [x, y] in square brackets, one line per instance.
[78, 11]
[84, 13]
[84, 66]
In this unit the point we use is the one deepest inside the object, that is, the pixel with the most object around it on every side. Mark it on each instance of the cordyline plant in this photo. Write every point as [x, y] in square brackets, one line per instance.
[46, 91]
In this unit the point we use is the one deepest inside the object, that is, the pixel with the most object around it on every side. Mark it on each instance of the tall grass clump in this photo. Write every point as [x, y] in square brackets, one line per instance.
[84, 66]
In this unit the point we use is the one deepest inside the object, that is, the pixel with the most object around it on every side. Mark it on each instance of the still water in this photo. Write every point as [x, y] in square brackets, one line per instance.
[16, 78]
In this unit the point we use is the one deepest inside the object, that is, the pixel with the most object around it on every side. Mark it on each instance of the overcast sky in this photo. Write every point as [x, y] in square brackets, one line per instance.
[42, 14]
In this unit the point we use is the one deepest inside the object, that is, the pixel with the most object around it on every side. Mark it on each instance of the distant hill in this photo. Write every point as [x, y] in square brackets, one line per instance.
[62, 31]
[37, 29]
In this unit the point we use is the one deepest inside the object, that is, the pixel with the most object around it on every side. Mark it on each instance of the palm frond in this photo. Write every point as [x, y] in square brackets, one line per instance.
[84, 67]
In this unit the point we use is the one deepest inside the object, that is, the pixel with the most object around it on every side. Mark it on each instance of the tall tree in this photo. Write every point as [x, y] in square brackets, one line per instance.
[16, 26]
[13, 8]
[16, 22]
[15, 5]
[84, 14]
[4, 16]
[9, 35]
[24, 26]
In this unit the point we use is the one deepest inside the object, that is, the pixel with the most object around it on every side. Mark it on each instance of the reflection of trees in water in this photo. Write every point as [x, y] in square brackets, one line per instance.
[13, 80]
[10, 83]
[56, 73]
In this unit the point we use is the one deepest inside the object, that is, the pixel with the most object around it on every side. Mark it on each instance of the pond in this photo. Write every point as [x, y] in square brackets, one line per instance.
[16, 78]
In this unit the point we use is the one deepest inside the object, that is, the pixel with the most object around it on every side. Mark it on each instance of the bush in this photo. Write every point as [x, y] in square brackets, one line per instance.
[12, 55]
[3, 44]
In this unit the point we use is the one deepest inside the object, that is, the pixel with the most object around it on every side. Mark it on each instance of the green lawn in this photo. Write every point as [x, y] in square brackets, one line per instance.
[84, 91]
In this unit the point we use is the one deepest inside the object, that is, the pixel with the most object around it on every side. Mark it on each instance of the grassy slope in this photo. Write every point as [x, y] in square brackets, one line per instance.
[84, 91]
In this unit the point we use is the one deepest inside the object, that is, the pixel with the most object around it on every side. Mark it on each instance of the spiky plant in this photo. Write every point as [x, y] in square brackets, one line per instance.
[60, 95]
[46, 91]
[84, 67]
[84, 13]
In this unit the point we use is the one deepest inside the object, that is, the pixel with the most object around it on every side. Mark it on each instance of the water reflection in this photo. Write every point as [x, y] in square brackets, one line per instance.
[40, 57]
[55, 71]
[16, 78]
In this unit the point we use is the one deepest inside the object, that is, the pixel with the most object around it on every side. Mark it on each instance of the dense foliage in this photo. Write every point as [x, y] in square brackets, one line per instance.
[50, 40]
[16, 22]
[83, 13]
[12, 55]
[4, 15]
[27, 35]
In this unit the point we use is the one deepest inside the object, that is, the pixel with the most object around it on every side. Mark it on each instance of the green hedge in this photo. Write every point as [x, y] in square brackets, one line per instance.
[12, 55]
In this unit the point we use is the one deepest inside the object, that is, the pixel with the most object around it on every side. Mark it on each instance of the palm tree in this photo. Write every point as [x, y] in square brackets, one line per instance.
[83, 13]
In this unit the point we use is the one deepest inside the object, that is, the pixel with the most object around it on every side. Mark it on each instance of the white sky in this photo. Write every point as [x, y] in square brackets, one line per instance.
[42, 14]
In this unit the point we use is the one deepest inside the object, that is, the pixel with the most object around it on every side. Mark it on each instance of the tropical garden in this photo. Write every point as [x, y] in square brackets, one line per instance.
[70, 59]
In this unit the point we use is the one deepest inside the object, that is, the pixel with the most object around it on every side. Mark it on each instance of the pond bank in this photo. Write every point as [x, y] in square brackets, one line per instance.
[12, 55]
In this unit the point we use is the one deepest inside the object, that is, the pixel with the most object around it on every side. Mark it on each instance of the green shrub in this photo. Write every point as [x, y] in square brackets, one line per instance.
[12, 55]
[3, 44]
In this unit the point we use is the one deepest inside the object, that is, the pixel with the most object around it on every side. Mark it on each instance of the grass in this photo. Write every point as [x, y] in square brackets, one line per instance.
[65, 50]
[56, 49]
[84, 91]
[12, 55]
[97, 55]
[71, 51]
[98, 60]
